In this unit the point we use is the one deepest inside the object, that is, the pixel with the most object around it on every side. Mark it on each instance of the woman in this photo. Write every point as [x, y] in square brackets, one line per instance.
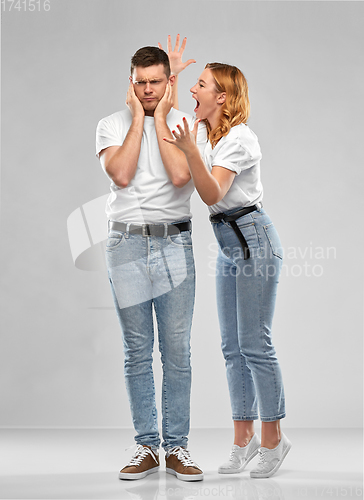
[248, 264]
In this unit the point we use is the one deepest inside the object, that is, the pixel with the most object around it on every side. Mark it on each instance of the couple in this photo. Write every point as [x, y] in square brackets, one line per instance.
[155, 156]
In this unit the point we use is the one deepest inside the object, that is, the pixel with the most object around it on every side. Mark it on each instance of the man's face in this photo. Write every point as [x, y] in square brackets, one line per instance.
[149, 85]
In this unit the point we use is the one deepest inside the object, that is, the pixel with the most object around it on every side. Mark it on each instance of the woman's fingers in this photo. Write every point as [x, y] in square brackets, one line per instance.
[177, 43]
[183, 46]
[186, 126]
[186, 132]
[195, 127]
[190, 61]
[169, 44]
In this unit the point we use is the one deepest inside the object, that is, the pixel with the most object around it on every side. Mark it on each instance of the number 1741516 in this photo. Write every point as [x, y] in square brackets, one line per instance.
[25, 5]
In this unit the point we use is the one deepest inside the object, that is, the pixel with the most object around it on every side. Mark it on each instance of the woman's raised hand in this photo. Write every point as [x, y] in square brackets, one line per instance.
[175, 55]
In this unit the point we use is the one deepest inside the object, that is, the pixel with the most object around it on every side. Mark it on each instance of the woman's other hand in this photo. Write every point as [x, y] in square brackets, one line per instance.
[175, 55]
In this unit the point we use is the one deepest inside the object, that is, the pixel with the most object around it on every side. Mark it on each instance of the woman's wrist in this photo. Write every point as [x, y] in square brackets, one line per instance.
[192, 153]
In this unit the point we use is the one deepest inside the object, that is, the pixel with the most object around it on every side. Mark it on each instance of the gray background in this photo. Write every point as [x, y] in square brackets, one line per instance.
[66, 68]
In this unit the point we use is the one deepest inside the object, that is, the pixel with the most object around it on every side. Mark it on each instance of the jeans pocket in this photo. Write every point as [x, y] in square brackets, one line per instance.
[182, 239]
[114, 240]
[273, 239]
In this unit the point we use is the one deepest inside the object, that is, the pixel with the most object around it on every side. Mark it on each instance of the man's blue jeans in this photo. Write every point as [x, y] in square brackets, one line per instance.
[246, 295]
[159, 272]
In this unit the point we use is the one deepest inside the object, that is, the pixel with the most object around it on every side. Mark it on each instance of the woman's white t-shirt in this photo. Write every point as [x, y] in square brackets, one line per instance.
[238, 151]
[150, 196]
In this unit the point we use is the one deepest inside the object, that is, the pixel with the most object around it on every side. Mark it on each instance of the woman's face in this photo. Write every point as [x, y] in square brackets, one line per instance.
[209, 101]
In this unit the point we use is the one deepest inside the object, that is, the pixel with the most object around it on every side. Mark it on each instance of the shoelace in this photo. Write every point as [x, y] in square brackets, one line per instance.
[234, 456]
[261, 460]
[183, 456]
[140, 454]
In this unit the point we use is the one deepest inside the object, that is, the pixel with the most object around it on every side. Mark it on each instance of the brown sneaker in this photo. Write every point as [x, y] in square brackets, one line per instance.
[179, 463]
[143, 462]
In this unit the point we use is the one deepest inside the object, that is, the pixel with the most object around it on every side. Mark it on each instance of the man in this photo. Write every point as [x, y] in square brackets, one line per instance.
[150, 260]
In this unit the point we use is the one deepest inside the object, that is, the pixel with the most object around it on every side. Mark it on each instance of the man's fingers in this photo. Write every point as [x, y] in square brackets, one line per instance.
[168, 90]
[131, 92]
[160, 46]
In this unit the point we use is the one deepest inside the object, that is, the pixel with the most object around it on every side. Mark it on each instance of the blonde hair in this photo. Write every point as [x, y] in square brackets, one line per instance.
[236, 108]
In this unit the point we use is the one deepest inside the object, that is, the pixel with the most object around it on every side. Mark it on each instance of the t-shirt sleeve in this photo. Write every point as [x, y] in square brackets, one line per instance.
[107, 135]
[234, 156]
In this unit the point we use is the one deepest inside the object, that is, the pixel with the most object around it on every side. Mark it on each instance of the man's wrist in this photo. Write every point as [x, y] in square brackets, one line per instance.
[160, 118]
[138, 118]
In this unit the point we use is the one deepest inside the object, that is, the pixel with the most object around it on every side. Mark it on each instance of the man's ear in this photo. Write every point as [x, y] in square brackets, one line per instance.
[172, 80]
[222, 98]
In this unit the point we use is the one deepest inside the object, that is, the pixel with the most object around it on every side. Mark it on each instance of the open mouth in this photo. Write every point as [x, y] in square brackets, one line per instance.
[197, 105]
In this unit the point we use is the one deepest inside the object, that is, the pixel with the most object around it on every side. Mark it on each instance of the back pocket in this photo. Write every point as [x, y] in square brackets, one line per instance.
[274, 241]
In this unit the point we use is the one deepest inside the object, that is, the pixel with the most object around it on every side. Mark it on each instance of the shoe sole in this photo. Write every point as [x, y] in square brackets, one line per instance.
[237, 471]
[137, 475]
[257, 475]
[185, 477]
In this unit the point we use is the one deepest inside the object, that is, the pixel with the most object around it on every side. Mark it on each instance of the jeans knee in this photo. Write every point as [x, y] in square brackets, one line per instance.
[177, 361]
[138, 361]
[229, 355]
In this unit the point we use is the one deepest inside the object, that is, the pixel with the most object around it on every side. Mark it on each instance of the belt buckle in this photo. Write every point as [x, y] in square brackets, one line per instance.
[145, 230]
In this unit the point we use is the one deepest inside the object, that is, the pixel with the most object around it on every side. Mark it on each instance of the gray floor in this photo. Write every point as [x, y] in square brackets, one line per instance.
[76, 464]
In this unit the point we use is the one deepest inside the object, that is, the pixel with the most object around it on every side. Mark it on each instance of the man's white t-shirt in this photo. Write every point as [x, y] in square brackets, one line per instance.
[238, 151]
[150, 196]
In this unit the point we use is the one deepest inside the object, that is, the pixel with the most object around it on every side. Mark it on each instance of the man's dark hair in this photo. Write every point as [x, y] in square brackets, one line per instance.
[149, 56]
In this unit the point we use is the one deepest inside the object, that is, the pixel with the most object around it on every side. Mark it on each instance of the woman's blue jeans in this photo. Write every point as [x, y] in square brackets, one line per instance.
[159, 272]
[246, 295]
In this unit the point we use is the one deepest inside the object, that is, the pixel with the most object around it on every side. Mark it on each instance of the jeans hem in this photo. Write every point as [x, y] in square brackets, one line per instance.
[154, 447]
[244, 419]
[170, 447]
[273, 419]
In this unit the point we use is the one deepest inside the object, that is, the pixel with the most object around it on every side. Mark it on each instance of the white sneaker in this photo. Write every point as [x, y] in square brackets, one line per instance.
[271, 460]
[240, 457]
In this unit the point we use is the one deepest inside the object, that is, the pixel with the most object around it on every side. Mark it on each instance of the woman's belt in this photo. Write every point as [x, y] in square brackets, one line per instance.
[232, 218]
